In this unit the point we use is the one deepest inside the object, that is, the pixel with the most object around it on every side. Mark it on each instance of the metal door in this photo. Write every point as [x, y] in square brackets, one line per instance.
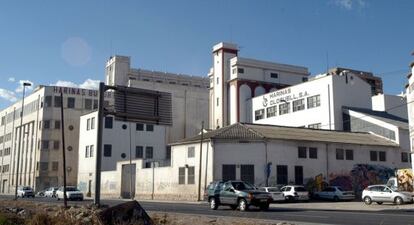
[128, 181]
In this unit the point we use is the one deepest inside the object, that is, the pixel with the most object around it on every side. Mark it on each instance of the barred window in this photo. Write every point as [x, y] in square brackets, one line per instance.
[298, 105]
[284, 108]
[314, 101]
[190, 152]
[191, 177]
[271, 111]
[315, 126]
[259, 114]
[181, 175]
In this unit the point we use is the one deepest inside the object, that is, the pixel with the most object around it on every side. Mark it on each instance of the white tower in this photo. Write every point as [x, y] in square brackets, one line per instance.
[116, 70]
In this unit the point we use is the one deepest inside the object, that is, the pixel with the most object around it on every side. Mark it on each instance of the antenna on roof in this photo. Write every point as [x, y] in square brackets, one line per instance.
[327, 62]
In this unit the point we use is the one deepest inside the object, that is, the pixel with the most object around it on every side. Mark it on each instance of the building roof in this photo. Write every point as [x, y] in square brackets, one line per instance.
[382, 115]
[259, 132]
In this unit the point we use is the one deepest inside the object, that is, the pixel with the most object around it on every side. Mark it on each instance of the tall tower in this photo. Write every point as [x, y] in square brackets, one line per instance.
[116, 70]
[219, 75]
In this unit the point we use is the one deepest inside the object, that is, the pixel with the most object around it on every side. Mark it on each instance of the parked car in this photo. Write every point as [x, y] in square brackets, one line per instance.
[25, 191]
[382, 193]
[335, 193]
[51, 192]
[239, 194]
[295, 193]
[72, 193]
[275, 192]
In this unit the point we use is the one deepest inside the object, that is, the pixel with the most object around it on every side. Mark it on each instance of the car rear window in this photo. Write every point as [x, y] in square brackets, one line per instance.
[273, 189]
[300, 189]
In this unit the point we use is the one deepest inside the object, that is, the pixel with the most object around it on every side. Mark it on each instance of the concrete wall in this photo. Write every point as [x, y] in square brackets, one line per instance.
[392, 104]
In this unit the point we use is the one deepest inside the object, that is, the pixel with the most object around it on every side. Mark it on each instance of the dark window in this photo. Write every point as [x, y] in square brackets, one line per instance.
[274, 75]
[181, 175]
[339, 154]
[55, 166]
[259, 114]
[271, 111]
[48, 101]
[139, 152]
[46, 124]
[404, 157]
[302, 152]
[95, 104]
[349, 154]
[229, 172]
[88, 103]
[45, 144]
[298, 175]
[247, 173]
[373, 155]
[57, 124]
[190, 152]
[71, 102]
[240, 70]
[92, 123]
[56, 144]
[88, 124]
[58, 101]
[298, 105]
[109, 122]
[168, 152]
[91, 151]
[190, 175]
[87, 151]
[314, 101]
[107, 150]
[150, 127]
[139, 126]
[304, 79]
[148, 152]
[313, 153]
[382, 156]
[284, 108]
[282, 174]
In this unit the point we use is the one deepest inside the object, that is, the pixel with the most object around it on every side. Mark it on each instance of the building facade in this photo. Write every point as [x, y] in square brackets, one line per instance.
[392, 104]
[189, 94]
[41, 144]
[409, 93]
[234, 80]
[374, 82]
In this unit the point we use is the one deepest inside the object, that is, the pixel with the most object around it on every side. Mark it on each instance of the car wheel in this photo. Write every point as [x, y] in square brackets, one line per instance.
[335, 198]
[289, 198]
[213, 204]
[264, 207]
[243, 205]
[233, 207]
[379, 203]
[398, 200]
[367, 200]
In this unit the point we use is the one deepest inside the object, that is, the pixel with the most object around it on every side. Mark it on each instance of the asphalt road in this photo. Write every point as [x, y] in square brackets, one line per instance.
[277, 212]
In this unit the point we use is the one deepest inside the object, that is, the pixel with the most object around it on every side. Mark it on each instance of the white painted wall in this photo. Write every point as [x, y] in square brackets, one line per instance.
[392, 104]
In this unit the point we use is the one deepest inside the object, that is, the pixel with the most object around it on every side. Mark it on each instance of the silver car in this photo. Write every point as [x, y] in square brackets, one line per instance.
[335, 193]
[382, 193]
[277, 195]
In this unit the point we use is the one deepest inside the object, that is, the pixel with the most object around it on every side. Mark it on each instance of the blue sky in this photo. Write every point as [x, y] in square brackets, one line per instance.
[68, 42]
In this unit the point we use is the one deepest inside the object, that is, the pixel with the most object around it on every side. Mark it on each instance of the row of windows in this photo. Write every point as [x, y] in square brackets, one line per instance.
[190, 175]
[45, 144]
[284, 108]
[169, 82]
[90, 123]
[139, 152]
[47, 124]
[272, 74]
[70, 103]
[44, 166]
[302, 152]
[5, 168]
[109, 123]
[6, 152]
[5, 138]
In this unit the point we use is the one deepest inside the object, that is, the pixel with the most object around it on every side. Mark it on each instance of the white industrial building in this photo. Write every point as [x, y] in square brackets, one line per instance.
[41, 144]
[244, 151]
[409, 93]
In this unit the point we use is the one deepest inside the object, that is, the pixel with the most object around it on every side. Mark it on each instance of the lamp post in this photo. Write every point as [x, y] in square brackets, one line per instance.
[20, 140]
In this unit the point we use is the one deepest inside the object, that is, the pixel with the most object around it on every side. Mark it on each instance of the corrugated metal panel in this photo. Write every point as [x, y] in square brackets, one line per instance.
[141, 105]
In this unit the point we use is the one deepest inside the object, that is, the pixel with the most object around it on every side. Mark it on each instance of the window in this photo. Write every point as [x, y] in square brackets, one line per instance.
[228, 172]
[190, 152]
[139, 126]
[95, 104]
[339, 154]
[168, 152]
[259, 114]
[218, 80]
[109, 122]
[284, 108]
[218, 100]
[48, 101]
[181, 175]
[148, 152]
[373, 156]
[281, 174]
[46, 124]
[349, 154]
[45, 144]
[91, 151]
[240, 70]
[92, 123]
[382, 156]
[107, 150]
[58, 101]
[274, 75]
[298, 105]
[304, 79]
[71, 102]
[315, 126]
[44, 166]
[298, 175]
[313, 153]
[3, 120]
[247, 173]
[55, 166]
[88, 103]
[56, 145]
[191, 175]
[150, 127]
[57, 124]
[314, 101]
[271, 111]
[234, 70]
[139, 152]
[302, 152]
[404, 157]
[87, 151]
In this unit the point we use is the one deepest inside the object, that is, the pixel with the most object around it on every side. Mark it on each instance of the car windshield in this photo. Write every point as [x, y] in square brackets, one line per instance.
[71, 189]
[300, 189]
[273, 189]
[242, 186]
[27, 188]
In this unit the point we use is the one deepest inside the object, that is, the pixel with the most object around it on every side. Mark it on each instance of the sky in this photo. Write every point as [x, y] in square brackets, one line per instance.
[68, 42]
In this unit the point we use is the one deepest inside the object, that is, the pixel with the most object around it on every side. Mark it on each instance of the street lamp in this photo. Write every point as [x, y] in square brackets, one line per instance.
[20, 139]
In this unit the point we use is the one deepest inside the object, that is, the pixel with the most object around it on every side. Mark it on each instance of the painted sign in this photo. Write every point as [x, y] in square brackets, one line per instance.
[79, 91]
[282, 96]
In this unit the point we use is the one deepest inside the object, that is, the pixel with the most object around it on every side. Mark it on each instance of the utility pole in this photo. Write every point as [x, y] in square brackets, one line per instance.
[20, 140]
[97, 197]
[65, 200]
[199, 165]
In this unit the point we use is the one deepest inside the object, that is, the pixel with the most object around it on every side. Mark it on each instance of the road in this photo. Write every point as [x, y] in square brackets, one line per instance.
[277, 212]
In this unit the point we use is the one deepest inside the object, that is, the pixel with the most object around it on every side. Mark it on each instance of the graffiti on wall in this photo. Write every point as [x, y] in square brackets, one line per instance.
[405, 179]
